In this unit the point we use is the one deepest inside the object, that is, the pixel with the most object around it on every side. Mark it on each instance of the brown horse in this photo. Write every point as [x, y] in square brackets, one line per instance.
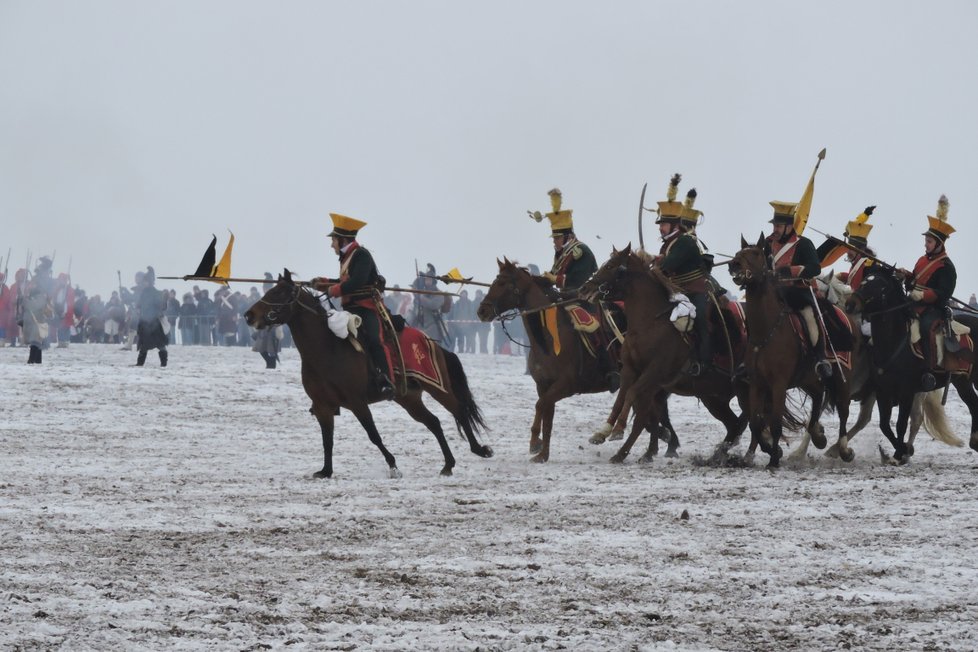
[334, 375]
[778, 360]
[655, 353]
[573, 371]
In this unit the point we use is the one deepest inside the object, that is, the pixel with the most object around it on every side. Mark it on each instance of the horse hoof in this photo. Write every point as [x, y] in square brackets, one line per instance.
[646, 459]
[538, 458]
[597, 439]
[818, 437]
[671, 454]
[909, 451]
[616, 435]
[323, 474]
[749, 459]
[535, 448]
[396, 473]
[447, 471]
[847, 455]
[486, 452]
[617, 458]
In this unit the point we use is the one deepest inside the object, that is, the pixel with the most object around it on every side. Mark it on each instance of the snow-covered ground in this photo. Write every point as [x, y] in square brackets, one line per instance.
[173, 509]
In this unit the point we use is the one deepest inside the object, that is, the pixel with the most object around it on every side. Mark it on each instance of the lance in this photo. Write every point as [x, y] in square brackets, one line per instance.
[862, 252]
[229, 279]
[641, 209]
[448, 279]
[548, 306]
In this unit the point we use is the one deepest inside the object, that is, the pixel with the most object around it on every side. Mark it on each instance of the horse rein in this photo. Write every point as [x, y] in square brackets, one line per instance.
[272, 315]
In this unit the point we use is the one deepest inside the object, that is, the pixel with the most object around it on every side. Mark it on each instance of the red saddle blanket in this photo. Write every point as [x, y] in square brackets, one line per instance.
[842, 357]
[582, 319]
[736, 325]
[419, 355]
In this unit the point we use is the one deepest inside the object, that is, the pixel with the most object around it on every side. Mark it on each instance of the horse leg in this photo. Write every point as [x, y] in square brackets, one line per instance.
[606, 431]
[415, 407]
[903, 417]
[916, 420]
[665, 425]
[864, 417]
[814, 433]
[885, 406]
[548, 425]
[324, 415]
[642, 419]
[366, 419]
[841, 389]
[776, 423]
[535, 444]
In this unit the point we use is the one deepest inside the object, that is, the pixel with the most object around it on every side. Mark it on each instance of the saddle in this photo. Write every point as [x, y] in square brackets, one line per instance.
[727, 326]
[840, 336]
[954, 352]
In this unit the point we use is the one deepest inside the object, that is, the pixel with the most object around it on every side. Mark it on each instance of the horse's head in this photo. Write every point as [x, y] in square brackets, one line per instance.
[605, 283]
[507, 292]
[749, 265]
[880, 291]
[278, 304]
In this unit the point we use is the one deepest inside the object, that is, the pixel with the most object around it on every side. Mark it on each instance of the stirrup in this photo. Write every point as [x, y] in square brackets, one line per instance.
[696, 369]
[384, 387]
[927, 382]
[823, 369]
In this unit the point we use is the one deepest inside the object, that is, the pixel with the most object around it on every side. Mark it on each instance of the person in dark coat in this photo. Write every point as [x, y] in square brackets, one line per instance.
[37, 312]
[681, 258]
[357, 283]
[574, 263]
[188, 320]
[931, 285]
[150, 307]
[795, 260]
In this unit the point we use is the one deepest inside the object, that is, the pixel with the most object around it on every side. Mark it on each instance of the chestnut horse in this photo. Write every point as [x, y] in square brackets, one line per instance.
[334, 375]
[573, 371]
[778, 360]
[655, 354]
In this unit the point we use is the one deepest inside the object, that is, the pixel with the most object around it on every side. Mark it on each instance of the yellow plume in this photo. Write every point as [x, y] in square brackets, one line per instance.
[555, 199]
[942, 205]
[673, 187]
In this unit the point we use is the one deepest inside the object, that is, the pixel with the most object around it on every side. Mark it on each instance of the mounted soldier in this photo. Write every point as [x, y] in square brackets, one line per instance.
[358, 282]
[931, 285]
[573, 265]
[574, 262]
[794, 259]
[682, 258]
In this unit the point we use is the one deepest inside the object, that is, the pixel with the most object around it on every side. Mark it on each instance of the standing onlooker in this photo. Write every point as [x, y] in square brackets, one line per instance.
[37, 313]
[973, 302]
[482, 328]
[172, 312]
[188, 320]
[150, 307]
[227, 317]
[206, 313]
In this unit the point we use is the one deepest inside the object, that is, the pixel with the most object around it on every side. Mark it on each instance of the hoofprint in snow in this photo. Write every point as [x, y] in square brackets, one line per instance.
[173, 508]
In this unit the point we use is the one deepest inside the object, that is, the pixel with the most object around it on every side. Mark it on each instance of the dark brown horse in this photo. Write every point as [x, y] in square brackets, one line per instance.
[777, 360]
[573, 371]
[334, 375]
[896, 371]
[655, 353]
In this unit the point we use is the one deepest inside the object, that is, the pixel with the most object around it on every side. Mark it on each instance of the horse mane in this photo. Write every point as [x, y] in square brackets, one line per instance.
[644, 256]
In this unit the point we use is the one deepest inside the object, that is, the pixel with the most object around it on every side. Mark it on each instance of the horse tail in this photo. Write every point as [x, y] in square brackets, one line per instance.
[792, 409]
[468, 416]
[935, 421]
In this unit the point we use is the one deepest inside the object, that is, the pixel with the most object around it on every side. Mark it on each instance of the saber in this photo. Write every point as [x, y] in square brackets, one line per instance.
[641, 209]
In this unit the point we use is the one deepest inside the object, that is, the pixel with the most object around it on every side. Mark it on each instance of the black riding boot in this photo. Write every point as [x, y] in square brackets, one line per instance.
[164, 356]
[34, 355]
[141, 358]
[383, 385]
[822, 366]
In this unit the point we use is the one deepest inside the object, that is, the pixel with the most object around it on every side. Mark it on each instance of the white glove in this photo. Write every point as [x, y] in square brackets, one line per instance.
[917, 295]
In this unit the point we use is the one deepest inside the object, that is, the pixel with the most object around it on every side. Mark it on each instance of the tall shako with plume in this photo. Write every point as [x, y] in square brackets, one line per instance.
[856, 234]
[561, 221]
[670, 210]
[939, 226]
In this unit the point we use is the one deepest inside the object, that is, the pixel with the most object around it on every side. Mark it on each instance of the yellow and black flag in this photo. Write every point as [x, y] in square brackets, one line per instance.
[207, 267]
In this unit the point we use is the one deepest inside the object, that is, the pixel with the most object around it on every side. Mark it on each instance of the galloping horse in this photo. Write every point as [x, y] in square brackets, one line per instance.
[655, 353]
[573, 371]
[334, 375]
[896, 371]
[777, 360]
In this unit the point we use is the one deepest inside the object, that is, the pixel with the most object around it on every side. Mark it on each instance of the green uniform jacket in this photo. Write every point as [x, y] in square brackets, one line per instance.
[682, 261]
[574, 266]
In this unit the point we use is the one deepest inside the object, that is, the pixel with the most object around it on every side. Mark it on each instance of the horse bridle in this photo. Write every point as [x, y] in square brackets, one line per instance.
[272, 316]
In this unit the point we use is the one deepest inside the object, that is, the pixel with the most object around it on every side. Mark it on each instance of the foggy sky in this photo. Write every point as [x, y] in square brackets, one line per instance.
[130, 131]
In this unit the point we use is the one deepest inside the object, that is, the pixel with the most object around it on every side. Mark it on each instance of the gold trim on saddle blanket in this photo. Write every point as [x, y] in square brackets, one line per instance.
[581, 319]
[958, 362]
